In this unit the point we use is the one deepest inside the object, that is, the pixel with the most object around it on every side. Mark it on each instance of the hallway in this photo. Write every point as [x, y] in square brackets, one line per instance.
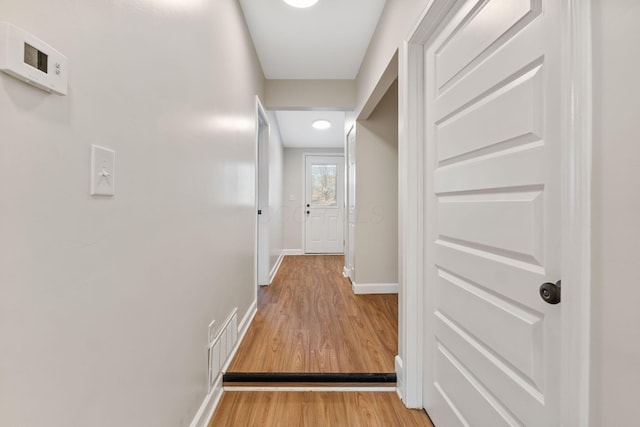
[129, 208]
[309, 321]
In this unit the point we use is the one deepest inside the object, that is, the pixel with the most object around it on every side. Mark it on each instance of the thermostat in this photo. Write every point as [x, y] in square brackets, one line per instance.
[28, 58]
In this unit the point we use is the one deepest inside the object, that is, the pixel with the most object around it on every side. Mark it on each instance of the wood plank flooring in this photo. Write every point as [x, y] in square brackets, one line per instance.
[309, 320]
[315, 409]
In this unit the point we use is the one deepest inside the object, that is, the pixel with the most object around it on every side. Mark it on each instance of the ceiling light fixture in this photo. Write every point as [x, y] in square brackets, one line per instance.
[301, 3]
[321, 124]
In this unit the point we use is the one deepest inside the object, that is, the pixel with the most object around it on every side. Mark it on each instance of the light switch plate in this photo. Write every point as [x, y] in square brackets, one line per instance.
[103, 161]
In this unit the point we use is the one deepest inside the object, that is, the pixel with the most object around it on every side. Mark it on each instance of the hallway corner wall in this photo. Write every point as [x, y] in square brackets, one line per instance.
[376, 232]
[105, 302]
[276, 170]
[396, 22]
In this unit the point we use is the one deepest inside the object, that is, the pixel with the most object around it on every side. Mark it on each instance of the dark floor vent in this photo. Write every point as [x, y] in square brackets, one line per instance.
[291, 377]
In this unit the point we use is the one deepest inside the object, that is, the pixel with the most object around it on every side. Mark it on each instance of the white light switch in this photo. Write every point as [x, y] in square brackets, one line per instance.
[103, 162]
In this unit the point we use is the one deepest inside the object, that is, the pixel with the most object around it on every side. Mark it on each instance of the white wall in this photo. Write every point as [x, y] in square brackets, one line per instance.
[293, 212]
[397, 20]
[376, 240]
[276, 233]
[310, 94]
[105, 302]
[616, 207]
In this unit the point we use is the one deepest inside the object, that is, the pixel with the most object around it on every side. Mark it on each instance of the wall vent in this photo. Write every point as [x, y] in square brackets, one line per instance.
[221, 347]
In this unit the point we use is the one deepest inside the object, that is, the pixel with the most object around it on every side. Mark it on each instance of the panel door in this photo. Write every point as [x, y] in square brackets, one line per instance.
[324, 218]
[493, 215]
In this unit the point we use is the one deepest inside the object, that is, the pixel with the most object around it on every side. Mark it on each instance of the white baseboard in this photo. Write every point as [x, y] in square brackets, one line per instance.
[375, 288]
[292, 252]
[246, 320]
[399, 376]
[243, 327]
[210, 403]
[346, 272]
[208, 407]
[276, 267]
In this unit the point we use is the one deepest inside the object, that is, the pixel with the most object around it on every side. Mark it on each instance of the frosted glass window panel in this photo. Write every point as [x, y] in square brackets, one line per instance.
[324, 185]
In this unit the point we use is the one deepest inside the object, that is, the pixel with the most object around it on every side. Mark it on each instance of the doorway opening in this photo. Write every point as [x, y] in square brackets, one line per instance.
[310, 323]
[262, 195]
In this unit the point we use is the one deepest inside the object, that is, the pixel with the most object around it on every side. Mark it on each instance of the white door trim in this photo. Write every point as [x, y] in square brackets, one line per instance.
[576, 206]
[349, 194]
[411, 204]
[261, 230]
[577, 95]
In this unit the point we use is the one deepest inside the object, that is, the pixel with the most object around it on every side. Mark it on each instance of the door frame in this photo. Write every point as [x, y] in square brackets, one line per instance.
[304, 193]
[261, 188]
[575, 184]
[349, 193]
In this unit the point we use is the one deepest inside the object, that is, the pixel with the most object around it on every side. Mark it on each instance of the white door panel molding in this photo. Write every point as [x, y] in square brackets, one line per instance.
[495, 146]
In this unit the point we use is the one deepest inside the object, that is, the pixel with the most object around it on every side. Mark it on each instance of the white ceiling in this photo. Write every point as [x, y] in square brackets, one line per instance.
[325, 41]
[296, 129]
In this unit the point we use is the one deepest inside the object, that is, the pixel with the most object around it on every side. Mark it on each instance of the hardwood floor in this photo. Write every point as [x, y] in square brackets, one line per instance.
[309, 320]
[315, 409]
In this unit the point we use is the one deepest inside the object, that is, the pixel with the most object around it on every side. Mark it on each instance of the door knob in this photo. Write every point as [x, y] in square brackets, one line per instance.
[308, 212]
[308, 205]
[550, 292]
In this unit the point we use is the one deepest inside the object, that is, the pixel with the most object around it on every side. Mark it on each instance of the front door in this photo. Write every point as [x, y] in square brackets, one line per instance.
[493, 215]
[324, 198]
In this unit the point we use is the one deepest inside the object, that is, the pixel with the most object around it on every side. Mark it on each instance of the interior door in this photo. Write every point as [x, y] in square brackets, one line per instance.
[493, 215]
[324, 218]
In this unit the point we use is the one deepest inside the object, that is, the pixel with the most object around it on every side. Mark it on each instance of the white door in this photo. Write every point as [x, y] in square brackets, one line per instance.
[493, 215]
[351, 204]
[324, 219]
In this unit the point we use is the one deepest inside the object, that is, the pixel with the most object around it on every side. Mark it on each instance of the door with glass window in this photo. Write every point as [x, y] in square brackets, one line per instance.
[324, 204]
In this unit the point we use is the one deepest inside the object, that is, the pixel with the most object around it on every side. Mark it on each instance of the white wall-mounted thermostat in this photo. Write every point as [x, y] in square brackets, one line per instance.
[28, 58]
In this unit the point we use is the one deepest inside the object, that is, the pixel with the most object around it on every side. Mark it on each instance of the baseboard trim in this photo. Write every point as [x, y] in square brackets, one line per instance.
[246, 320]
[276, 267]
[211, 400]
[399, 376]
[375, 288]
[286, 252]
[243, 327]
[209, 405]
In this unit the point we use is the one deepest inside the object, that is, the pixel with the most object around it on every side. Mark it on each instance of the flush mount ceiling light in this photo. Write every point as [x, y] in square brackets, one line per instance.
[321, 124]
[301, 3]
